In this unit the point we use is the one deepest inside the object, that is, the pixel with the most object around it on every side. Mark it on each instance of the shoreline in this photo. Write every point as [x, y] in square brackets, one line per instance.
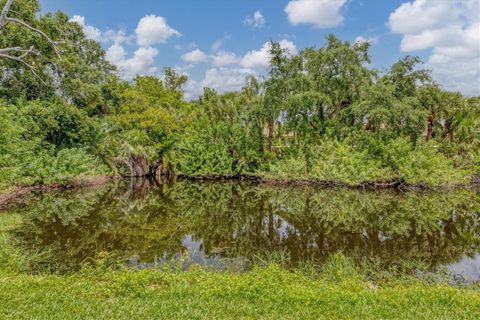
[15, 195]
[370, 185]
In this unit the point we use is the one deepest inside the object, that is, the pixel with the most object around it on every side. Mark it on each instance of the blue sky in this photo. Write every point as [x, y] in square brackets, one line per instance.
[217, 43]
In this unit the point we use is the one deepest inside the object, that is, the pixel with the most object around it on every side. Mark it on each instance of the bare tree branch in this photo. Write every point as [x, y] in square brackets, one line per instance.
[11, 49]
[40, 32]
[3, 14]
[18, 54]
[20, 60]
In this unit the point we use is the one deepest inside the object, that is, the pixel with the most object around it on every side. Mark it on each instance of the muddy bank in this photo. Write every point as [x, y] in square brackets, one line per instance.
[18, 193]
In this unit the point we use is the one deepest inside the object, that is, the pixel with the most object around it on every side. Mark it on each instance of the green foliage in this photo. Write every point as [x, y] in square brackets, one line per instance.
[422, 164]
[332, 161]
[222, 137]
[46, 143]
[321, 114]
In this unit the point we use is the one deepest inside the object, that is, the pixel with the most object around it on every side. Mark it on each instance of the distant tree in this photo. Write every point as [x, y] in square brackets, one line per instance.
[173, 80]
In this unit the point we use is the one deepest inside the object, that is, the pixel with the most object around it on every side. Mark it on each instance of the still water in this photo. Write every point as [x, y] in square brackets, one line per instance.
[232, 224]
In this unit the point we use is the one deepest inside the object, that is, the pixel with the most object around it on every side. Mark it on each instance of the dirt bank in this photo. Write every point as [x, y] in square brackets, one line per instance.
[18, 193]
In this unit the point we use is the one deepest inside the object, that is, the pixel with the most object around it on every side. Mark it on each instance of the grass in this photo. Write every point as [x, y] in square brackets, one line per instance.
[267, 292]
[264, 293]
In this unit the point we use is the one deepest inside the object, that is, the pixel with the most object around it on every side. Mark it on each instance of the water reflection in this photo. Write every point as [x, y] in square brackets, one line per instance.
[212, 222]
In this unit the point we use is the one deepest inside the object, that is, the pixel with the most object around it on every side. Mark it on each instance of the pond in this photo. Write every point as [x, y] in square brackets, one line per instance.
[234, 224]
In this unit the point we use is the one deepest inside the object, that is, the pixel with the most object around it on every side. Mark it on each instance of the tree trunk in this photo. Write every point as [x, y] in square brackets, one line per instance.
[270, 136]
[448, 130]
[430, 127]
[138, 166]
[161, 170]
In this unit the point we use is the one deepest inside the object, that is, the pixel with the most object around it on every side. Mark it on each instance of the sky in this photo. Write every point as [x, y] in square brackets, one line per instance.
[217, 43]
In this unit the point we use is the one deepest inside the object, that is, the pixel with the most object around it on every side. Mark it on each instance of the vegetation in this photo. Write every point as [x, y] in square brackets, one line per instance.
[322, 114]
[340, 290]
[271, 293]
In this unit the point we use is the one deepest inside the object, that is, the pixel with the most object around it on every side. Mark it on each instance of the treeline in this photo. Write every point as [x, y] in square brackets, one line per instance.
[322, 114]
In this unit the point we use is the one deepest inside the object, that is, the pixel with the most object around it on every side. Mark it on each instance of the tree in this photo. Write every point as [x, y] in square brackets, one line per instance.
[34, 66]
[144, 130]
[405, 76]
[173, 80]
[19, 54]
[276, 88]
[338, 71]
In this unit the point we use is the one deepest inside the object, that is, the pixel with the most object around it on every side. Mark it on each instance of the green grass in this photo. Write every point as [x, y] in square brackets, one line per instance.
[264, 293]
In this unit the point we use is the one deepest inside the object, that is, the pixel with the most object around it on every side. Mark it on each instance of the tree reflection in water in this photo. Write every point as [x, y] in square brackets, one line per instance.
[149, 223]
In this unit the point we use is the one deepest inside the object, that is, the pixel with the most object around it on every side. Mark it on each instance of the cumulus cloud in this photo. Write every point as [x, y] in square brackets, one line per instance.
[226, 79]
[320, 13]
[192, 89]
[451, 29]
[142, 61]
[257, 59]
[152, 30]
[90, 32]
[224, 58]
[221, 79]
[257, 20]
[106, 36]
[195, 56]
[117, 36]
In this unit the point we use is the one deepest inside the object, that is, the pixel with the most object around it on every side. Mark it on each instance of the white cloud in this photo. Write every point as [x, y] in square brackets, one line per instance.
[117, 36]
[257, 59]
[142, 62]
[371, 40]
[321, 13]
[219, 43]
[224, 58]
[152, 30]
[107, 36]
[116, 54]
[221, 79]
[90, 32]
[226, 79]
[257, 20]
[192, 89]
[415, 17]
[195, 56]
[188, 46]
[451, 29]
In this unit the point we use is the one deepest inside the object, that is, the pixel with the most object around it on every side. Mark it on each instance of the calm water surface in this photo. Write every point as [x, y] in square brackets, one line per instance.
[231, 224]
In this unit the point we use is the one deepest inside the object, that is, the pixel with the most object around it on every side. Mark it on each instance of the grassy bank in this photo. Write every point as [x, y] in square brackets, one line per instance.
[270, 293]
[339, 291]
